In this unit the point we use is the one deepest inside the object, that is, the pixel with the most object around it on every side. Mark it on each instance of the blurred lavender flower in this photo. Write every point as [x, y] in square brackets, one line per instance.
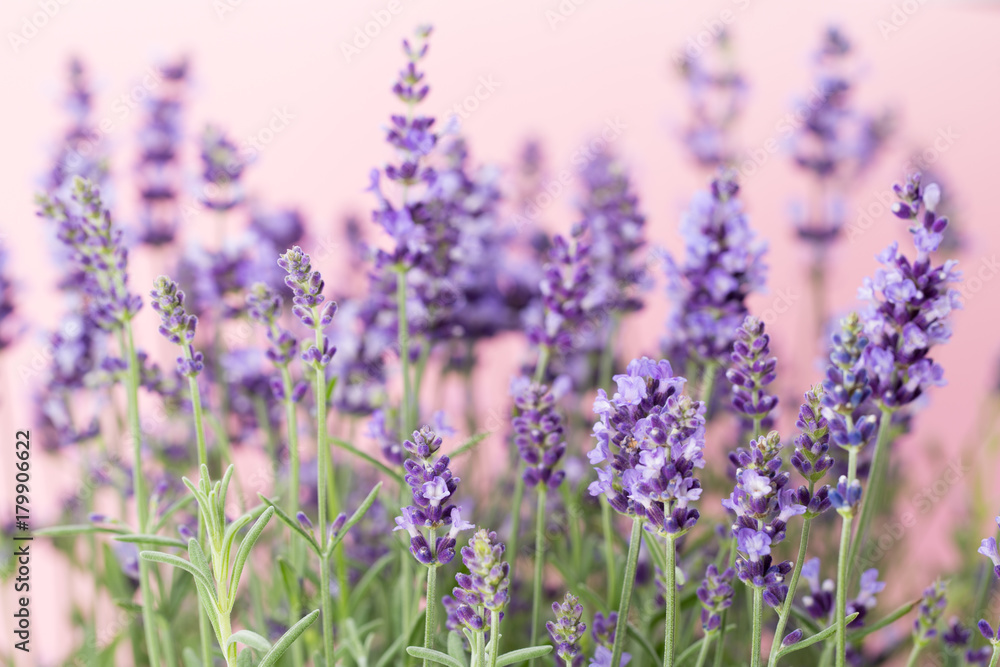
[717, 96]
[483, 591]
[222, 170]
[159, 165]
[819, 601]
[98, 250]
[932, 605]
[603, 655]
[603, 634]
[538, 433]
[81, 152]
[8, 330]
[281, 228]
[307, 287]
[650, 438]
[567, 630]
[432, 485]
[752, 371]
[909, 304]
[176, 325]
[988, 548]
[724, 264]
[716, 595]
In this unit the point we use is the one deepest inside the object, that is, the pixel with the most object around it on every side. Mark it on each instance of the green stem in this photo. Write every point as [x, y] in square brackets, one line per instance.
[706, 642]
[326, 608]
[915, 653]
[670, 591]
[495, 638]
[543, 362]
[430, 618]
[995, 660]
[536, 598]
[515, 523]
[607, 525]
[127, 342]
[293, 463]
[842, 565]
[786, 609]
[322, 466]
[708, 382]
[631, 563]
[758, 621]
[876, 475]
[720, 652]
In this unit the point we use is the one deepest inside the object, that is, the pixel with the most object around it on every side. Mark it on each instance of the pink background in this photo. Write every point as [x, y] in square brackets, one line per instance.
[606, 60]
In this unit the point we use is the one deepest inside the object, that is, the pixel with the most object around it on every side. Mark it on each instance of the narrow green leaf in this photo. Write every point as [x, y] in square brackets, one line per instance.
[198, 558]
[456, 649]
[401, 641]
[293, 524]
[251, 639]
[523, 654]
[357, 516]
[469, 444]
[435, 656]
[695, 646]
[244, 659]
[634, 633]
[371, 574]
[191, 658]
[78, 529]
[882, 622]
[170, 511]
[244, 552]
[128, 605]
[348, 447]
[168, 559]
[152, 540]
[809, 641]
[330, 387]
[287, 639]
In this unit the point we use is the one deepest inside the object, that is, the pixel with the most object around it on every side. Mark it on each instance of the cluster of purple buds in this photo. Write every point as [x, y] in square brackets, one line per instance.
[812, 445]
[650, 438]
[307, 289]
[567, 631]
[332, 530]
[716, 595]
[222, 169]
[909, 304]
[98, 249]
[483, 591]
[932, 606]
[158, 168]
[432, 485]
[752, 371]
[820, 601]
[538, 434]
[176, 325]
[723, 265]
[603, 634]
[264, 307]
[80, 151]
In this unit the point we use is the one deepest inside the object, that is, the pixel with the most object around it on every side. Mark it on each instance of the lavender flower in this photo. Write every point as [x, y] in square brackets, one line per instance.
[812, 444]
[567, 630]
[650, 438]
[307, 288]
[98, 250]
[603, 655]
[932, 606]
[432, 485]
[753, 369]
[724, 264]
[222, 169]
[81, 152]
[538, 434]
[483, 591]
[602, 631]
[716, 595]
[7, 303]
[264, 307]
[176, 325]
[909, 305]
[957, 636]
[988, 548]
[819, 602]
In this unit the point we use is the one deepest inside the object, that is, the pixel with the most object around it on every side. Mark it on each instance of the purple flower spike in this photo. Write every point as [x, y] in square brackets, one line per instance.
[485, 587]
[932, 606]
[567, 630]
[538, 434]
[987, 631]
[753, 369]
[176, 325]
[304, 520]
[845, 497]
[716, 595]
[602, 658]
[222, 171]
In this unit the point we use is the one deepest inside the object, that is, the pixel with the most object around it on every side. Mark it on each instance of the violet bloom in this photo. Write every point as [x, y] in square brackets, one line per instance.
[716, 595]
[307, 289]
[567, 630]
[602, 658]
[7, 303]
[483, 591]
[819, 602]
[264, 307]
[603, 633]
[81, 151]
[176, 325]
[932, 605]
[650, 438]
[158, 171]
[988, 548]
[723, 265]
[811, 457]
[717, 96]
[432, 486]
[835, 143]
[222, 170]
[752, 371]
[538, 434]
[909, 305]
[98, 249]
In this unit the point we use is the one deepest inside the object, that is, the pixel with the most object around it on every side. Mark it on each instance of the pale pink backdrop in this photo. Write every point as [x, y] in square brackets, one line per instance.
[935, 63]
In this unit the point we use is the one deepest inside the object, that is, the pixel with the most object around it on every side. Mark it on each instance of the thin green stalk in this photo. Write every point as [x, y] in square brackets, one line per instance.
[670, 592]
[631, 563]
[323, 452]
[607, 526]
[292, 425]
[880, 460]
[758, 622]
[515, 523]
[706, 642]
[326, 608]
[995, 660]
[757, 422]
[495, 638]
[708, 382]
[786, 609]
[915, 653]
[536, 597]
[725, 612]
[543, 362]
[430, 618]
[127, 342]
[842, 565]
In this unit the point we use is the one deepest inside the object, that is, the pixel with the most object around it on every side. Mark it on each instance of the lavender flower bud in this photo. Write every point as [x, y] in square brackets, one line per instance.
[932, 606]
[538, 434]
[567, 630]
[716, 595]
[753, 369]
